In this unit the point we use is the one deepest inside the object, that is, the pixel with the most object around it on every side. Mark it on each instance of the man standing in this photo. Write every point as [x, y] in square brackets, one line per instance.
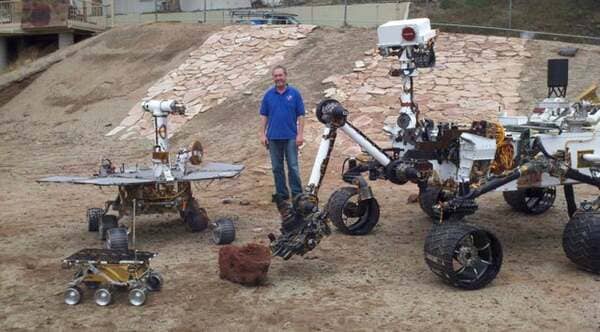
[281, 131]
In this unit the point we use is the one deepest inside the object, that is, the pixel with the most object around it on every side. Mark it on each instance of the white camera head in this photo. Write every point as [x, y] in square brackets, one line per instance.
[163, 107]
[400, 34]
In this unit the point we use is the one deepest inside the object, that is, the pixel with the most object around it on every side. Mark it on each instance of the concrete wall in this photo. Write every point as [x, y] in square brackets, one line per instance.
[191, 5]
[361, 15]
[134, 6]
[148, 6]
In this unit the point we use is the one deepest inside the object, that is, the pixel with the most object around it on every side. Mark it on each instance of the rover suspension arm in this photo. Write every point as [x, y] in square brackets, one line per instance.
[305, 225]
[465, 203]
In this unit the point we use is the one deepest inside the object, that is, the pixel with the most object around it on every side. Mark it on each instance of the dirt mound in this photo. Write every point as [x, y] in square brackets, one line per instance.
[99, 79]
[247, 265]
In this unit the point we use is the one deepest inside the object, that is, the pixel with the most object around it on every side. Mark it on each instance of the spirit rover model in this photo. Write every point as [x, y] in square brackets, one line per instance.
[165, 187]
[525, 157]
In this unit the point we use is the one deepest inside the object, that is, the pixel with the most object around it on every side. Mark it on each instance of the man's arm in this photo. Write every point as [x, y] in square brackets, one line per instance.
[263, 130]
[300, 135]
[300, 118]
[264, 114]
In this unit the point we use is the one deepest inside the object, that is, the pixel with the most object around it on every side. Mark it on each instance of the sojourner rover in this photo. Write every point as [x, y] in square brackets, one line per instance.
[165, 187]
[524, 157]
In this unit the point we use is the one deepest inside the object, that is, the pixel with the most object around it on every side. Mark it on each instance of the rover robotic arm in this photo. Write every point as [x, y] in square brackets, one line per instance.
[304, 225]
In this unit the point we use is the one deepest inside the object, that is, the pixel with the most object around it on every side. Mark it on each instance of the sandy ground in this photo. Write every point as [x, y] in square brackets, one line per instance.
[378, 281]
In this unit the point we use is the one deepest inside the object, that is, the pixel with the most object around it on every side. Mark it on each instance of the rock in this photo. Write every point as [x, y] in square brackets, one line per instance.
[247, 265]
[568, 51]
[244, 202]
[227, 201]
[299, 36]
[115, 131]
[208, 57]
[359, 64]
[362, 121]
[412, 198]
[290, 43]
[247, 93]
[243, 40]
[376, 91]
[383, 83]
[212, 39]
[329, 92]
[330, 79]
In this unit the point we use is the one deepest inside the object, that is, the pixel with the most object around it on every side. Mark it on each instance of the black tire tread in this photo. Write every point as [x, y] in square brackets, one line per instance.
[107, 222]
[517, 200]
[155, 284]
[93, 217]
[581, 240]
[117, 239]
[335, 207]
[195, 217]
[439, 251]
[226, 231]
[428, 197]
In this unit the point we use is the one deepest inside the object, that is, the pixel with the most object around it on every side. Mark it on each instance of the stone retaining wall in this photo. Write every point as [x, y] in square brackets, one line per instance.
[222, 66]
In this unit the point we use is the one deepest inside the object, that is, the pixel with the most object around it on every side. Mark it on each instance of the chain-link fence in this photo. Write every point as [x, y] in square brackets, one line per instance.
[577, 20]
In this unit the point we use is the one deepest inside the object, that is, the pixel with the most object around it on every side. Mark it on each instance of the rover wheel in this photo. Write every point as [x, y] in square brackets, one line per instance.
[73, 295]
[103, 296]
[154, 281]
[137, 296]
[117, 239]
[93, 216]
[107, 222]
[195, 217]
[531, 200]
[348, 215]
[581, 240]
[464, 256]
[223, 231]
[429, 197]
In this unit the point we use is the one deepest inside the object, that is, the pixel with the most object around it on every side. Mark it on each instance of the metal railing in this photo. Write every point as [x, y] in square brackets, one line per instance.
[10, 11]
[86, 11]
[80, 12]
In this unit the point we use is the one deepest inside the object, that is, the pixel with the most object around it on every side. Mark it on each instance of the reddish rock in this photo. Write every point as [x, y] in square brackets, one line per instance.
[247, 265]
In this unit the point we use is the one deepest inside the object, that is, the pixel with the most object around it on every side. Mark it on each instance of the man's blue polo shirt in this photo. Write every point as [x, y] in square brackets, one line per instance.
[282, 110]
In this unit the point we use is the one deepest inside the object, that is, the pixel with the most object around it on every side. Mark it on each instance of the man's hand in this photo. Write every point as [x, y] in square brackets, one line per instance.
[263, 140]
[300, 134]
[299, 140]
[262, 131]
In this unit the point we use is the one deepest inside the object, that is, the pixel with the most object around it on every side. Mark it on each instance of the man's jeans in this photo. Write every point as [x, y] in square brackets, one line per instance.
[280, 148]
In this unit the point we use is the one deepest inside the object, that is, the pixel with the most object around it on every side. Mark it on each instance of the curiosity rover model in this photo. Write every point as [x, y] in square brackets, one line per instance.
[524, 157]
[165, 187]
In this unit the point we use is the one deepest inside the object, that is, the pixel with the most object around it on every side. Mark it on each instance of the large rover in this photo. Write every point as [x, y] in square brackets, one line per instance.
[525, 157]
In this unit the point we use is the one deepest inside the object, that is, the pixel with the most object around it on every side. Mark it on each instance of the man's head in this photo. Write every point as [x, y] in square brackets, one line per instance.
[279, 76]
